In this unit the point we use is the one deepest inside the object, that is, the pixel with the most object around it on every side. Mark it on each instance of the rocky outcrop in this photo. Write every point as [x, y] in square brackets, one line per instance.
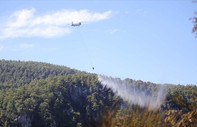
[24, 121]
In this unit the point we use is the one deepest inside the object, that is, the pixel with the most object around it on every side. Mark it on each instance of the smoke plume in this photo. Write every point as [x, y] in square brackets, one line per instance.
[132, 94]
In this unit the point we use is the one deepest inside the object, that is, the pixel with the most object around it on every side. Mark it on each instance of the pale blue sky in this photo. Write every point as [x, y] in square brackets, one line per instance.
[143, 40]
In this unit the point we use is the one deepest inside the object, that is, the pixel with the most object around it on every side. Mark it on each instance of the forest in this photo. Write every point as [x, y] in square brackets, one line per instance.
[35, 94]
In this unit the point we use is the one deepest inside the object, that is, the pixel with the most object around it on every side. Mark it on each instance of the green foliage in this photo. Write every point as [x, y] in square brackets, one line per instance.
[17, 73]
[57, 101]
[138, 117]
[46, 95]
[194, 30]
[181, 97]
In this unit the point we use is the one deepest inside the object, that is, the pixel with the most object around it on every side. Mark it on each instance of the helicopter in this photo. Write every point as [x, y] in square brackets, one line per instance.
[79, 24]
[76, 24]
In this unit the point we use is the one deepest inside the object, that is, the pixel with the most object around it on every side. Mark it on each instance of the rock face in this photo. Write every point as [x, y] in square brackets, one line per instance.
[76, 93]
[24, 121]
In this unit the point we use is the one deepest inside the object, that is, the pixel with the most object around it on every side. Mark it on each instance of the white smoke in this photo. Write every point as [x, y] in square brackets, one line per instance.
[132, 94]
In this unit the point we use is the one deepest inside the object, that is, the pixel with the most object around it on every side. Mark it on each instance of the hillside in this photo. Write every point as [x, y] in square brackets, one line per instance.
[56, 101]
[17, 73]
[37, 94]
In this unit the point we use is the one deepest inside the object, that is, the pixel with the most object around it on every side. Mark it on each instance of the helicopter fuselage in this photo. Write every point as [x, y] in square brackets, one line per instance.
[76, 24]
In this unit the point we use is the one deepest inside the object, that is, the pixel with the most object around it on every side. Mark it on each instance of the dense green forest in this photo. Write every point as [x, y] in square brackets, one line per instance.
[18, 73]
[34, 94]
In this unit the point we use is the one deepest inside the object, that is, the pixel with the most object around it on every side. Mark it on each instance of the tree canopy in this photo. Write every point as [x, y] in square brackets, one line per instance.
[42, 95]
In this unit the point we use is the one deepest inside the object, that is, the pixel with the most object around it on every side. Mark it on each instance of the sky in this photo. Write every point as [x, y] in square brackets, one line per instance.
[142, 40]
